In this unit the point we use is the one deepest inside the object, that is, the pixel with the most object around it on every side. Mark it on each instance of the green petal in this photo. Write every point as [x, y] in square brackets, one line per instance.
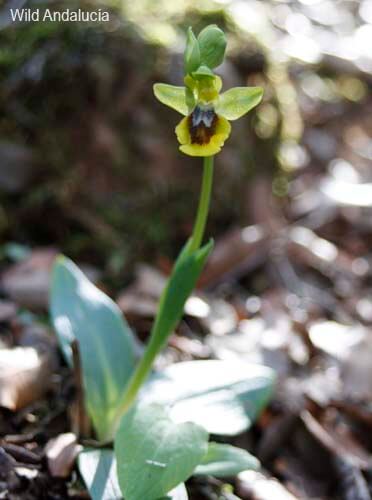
[172, 96]
[236, 102]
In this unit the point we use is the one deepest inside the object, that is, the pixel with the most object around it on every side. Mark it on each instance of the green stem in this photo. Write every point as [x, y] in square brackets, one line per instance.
[140, 375]
[145, 365]
[204, 201]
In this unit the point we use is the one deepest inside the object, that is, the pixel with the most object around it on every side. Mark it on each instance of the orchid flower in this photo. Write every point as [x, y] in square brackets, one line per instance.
[207, 113]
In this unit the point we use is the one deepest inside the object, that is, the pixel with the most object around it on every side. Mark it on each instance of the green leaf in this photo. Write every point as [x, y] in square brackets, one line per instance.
[99, 472]
[236, 102]
[224, 460]
[79, 310]
[98, 469]
[154, 454]
[225, 397]
[184, 275]
[182, 281]
[172, 96]
[192, 52]
[178, 493]
[212, 44]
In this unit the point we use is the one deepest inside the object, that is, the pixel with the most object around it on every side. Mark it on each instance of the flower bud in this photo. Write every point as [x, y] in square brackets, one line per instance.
[192, 53]
[212, 45]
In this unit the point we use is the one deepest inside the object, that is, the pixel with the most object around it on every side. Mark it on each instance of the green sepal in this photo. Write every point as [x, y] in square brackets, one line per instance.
[192, 53]
[190, 99]
[212, 45]
[203, 72]
[236, 102]
[172, 96]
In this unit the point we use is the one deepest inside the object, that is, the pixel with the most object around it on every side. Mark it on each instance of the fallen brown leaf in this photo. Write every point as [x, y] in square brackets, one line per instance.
[340, 443]
[254, 485]
[61, 453]
[235, 253]
[25, 376]
[27, 282]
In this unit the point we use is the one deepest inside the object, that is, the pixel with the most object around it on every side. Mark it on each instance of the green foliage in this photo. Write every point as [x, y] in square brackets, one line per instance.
[206, 52]
[212, 45]
[183, 279]
[81, 312]
[180, 284]
[223, 460]
[224, 397]
[99, 471]
[192, 53]
[154, 454]
[221, 397]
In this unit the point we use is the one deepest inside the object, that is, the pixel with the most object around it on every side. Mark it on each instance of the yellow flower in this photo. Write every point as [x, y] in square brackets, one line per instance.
[203, 132]
[207, 113]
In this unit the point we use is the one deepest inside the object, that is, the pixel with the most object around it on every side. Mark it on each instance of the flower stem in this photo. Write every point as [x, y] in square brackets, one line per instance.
[204, 201]
[139, 376]
[154, 346]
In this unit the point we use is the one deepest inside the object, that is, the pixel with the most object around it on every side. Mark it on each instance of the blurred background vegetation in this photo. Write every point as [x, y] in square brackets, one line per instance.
[89, 160]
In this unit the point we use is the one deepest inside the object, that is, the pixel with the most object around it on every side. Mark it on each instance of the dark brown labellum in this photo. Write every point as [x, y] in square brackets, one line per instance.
[202, 125]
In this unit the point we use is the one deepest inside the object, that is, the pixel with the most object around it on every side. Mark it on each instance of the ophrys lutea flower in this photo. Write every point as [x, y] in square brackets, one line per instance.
[207, 113]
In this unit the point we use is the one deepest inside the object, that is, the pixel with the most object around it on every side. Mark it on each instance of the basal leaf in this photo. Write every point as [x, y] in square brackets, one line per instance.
[237, 101]
[154, 454]
[225, 460]
[99, 472]
[79, 310]
[225, 397]
[98, 469]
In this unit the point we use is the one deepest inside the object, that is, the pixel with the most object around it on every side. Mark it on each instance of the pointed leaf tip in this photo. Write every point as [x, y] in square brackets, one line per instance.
[223, 460]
